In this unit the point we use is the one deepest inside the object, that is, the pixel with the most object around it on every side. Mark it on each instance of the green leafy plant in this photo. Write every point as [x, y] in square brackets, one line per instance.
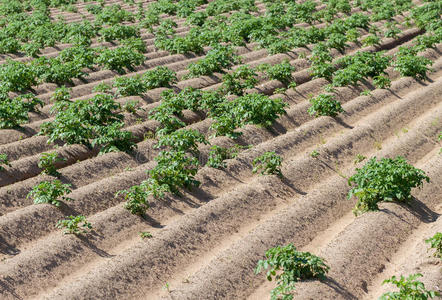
[47, 162]
[407, 63]
[314, 153]
[130, 86]
[183, 140]
[174, 170]
[51, 192]
[132, 106]
[325, 105]
[74, 225]
[385, 180]
[281, 72]
[145, 235]
[216, 60]
[267, 164]
[61, 94]
[436, 243]
[292, 266]
[218, 155]
[14, 112]
[136, 199]
[409, 288]
[119, 58]
[4, 161]
[159, 77]
[93, 122]
[236, 82]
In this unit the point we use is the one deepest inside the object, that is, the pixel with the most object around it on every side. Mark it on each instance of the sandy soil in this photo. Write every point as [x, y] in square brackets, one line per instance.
[206, 244]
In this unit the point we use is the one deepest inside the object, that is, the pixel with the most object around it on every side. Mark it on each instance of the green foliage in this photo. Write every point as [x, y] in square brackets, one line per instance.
[409, 288]
[314, 153]
[145, 235]
[407, 63]
[93, 122]
[47, 162]
[14, 112]
[136, 199]
[371, 40]
[325, 105]
[384, 180]
[355, 68]
[236, 82]
[174, 170]
[281, 72]
[321, 62]
[118, 32]
[436, 243]
[253, 108]
[61, 94]
[102, 88]
[4, 161]
[16, 77]
[132, 106]
[381, 81]
[119, 58]
[218, 58]
[51, 192]
[267, 164]
[291, 266]
[159, 77]
[185, 140]
[130, 86]
[72, 225]
[218, 155]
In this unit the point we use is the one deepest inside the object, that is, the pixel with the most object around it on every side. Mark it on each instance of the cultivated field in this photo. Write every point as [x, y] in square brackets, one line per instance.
[161, 165]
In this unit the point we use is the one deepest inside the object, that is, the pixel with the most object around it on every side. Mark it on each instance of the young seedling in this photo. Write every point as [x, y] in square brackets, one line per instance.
[218, 155]
[384, 180]
[74, 225]
[136, 199]
[359, 158]
[51, 192]
[4, 161]
[145, 235]
[436, 242]
[267, 164]
[47, 162]
[409, 288]
[314, 153]
[288, 266]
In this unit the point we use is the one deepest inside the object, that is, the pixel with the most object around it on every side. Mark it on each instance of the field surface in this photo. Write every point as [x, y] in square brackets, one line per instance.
[204, 241]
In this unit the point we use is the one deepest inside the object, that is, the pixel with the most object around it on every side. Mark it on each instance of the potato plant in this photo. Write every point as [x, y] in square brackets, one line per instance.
[119, 58]
[52, 192]
[268, 163]
[185, 140]
[384, 180]
[288, 266]
[407, 63]
[174, 170]
[236, 82]
[159, 77]
[216, 60]
[74, 225]
[136, 199]
[409, 288]
[436, 243]
[130, 86]
[4, 161]
[281, 72]
[47, 162]
[325, 105]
